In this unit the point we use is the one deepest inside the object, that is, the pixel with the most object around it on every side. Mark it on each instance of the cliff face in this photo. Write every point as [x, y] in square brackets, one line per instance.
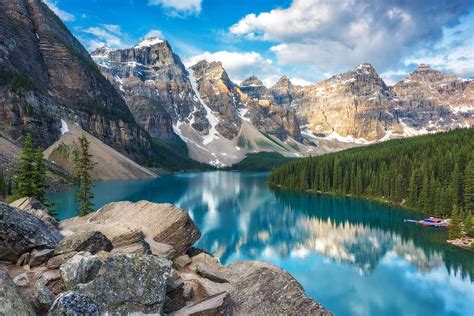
[48, 75]
[353, 104]
[155, 85]
[201, 105]
[432, 99]
[357, 106]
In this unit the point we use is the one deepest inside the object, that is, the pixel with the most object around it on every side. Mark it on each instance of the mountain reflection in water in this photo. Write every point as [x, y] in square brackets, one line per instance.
[353, 256]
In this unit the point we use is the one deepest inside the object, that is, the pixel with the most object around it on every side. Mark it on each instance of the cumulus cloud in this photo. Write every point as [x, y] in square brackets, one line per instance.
[179, 8]
[109, 35]
[454, 53]
[337, 35]
[240, 65]
[155, 33]
[63, 15]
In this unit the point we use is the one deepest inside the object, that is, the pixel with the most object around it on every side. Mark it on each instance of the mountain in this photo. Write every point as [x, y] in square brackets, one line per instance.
[46, 75]
[201, 106]
[358, 107]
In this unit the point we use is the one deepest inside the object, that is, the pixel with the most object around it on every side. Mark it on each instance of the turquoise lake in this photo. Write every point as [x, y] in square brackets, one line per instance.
[354, 257]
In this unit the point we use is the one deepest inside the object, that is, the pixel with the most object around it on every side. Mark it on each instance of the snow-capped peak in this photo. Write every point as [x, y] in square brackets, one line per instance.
[150, 41]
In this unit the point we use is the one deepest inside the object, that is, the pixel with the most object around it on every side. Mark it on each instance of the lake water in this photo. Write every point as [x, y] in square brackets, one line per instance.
[354, 257]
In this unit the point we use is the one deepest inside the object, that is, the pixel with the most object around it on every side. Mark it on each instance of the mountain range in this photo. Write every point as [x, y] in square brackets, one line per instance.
[133, 98]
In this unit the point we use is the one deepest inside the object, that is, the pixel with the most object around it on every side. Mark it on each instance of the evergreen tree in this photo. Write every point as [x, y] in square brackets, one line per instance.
[455, 225]
[39, 176]
[469, 225]
[3, 185]
[30, 173]
[429, 173]
[24, 170]
[83, 166]
[469, 187]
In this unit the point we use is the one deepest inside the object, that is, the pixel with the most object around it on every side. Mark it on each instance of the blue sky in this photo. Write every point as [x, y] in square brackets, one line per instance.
[308, 40]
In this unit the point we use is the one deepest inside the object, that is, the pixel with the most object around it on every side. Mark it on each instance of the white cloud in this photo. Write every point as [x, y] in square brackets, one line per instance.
[63, 15]
[240, 65]
[300, 81]
[155, 33]
[454, 53]
[179, 8]
[334, 36]
[109, 35]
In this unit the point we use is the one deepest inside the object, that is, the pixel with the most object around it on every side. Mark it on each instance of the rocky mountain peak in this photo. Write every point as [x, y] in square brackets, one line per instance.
[213, 71]
[148, 42]
[251, 81]
[425, 73]
[284, 81]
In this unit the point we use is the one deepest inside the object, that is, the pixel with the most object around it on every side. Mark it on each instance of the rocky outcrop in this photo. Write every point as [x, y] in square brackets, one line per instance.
[264, 289]
[46, 75]
[118, 283]
[254, 88]
[33, 206]
[11, 301]
[89, 241]
[22, 232]
[433, 100]
[73, 303]
[81, 268]
[130, 283]
[154, 83]
[122, 221]
[283, 92]
[220, 94]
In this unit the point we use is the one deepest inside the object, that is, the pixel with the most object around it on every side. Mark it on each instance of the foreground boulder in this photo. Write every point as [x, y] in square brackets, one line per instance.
[130, 283]
[73, 303]
[259, 288]
[81, 268]
[218, 304]
[36, 208]
[11, 301]
[21, 232]
[90, 241]
[163, 223]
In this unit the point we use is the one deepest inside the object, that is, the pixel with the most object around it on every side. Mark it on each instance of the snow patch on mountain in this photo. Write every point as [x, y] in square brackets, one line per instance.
[64, 127]
[211, 117]
[149, 42]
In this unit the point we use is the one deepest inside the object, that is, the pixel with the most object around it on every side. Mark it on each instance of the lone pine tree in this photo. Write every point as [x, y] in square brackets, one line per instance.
[30, 173]
[83, 167]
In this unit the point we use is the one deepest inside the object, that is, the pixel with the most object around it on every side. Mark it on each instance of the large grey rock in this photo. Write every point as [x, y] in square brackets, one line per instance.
[24, 259]
[160, 249]
[128, 283]
[22, 232]
[36, 208]
[211, 274]
[90, 241]
[53, 281]
[81, 268]
[21, 280]
[182, 261]
[74, 304]
[56, 261]
[118, 221]
[11, 301]
[218, 304]
[263, 289]
[43, 296]
[38, 257]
